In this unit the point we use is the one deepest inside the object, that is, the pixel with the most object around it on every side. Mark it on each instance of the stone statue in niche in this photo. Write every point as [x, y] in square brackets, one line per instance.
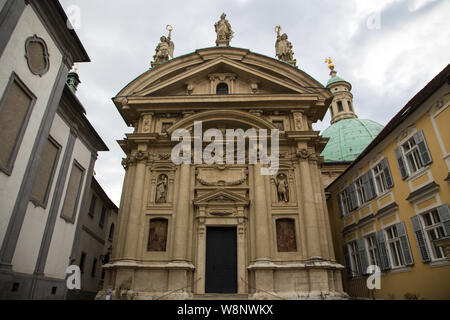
[161, 189]
[282, 188]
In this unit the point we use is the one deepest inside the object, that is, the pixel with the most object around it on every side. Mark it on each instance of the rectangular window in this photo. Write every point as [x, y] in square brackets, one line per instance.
[279, 124]
[345, 201]
[412, 155]
[354, 258]
[434, 230]
[82, 261]
[72, 193]
[349, 105]
[380, 178]
[15, 110]
[101, 223]
[92, 206]
[394, 245]
[360, 190]
[372, 250]
[94, 267]
[45, 173]
[340, 106]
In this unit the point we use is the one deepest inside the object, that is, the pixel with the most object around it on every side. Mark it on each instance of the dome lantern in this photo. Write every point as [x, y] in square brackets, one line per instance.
[342, 105]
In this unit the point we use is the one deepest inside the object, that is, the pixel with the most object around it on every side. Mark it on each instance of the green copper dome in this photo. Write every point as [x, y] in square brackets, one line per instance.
[348, 138]
[336, 79]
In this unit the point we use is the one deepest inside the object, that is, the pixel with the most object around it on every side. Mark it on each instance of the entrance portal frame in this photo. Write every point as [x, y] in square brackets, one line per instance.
[230, 212]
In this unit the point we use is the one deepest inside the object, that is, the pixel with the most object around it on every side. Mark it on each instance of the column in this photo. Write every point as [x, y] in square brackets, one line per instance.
[135, 212]
[180, 230]
[309, 208]
[261, 227]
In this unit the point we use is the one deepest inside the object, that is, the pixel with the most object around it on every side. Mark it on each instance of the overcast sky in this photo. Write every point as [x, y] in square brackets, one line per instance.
[387, 49]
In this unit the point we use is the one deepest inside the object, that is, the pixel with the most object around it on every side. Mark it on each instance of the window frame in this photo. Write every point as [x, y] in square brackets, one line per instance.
[92, 205]
[80, 188]
[413, 150]
[393, 243]
[9, 166]
[35, 201]
[382, 175]
[433, 227]
[353, 254]
[372, 249]
[222, 92]
[101, 221]
[360, 191]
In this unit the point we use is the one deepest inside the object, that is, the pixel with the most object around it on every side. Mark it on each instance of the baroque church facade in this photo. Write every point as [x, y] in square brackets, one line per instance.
[195, 230]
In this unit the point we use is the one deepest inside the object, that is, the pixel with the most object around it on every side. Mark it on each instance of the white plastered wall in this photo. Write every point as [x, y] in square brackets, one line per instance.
[13, 59]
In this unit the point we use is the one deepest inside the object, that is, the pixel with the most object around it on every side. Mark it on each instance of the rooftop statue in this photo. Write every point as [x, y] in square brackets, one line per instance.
[164, 49]
[224, 32]
[283, 47]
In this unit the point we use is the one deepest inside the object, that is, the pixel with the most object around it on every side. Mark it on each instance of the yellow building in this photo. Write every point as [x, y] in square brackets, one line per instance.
[391, 203]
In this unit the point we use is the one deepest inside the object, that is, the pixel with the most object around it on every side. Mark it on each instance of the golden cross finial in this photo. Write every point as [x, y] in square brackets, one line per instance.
[330, 63]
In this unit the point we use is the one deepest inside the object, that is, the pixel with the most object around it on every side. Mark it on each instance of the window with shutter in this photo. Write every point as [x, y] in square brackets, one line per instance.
[401, 163]
[360, 185]
[353, 197]
[355, 262]
[412, 154]
[404, 243]
[373, 256]
[434, 227]
[424, 153]
[444, 216]
[382, 249]
[387, 173]
[348, 267]
[340, 205]
[360, 243]
[420, 238]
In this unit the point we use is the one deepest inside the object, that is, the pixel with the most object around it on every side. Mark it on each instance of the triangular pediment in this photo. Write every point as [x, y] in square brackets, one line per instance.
[245, 76]
[221, 196]
[251, 77]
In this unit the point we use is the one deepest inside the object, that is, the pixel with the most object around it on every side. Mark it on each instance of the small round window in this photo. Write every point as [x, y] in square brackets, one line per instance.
[222, 88]
[36, 54]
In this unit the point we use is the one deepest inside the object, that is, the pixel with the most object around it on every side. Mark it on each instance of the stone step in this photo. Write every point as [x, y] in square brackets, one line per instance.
[220, 296]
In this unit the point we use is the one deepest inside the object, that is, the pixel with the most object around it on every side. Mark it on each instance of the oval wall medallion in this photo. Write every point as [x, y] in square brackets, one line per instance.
[37, 56]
